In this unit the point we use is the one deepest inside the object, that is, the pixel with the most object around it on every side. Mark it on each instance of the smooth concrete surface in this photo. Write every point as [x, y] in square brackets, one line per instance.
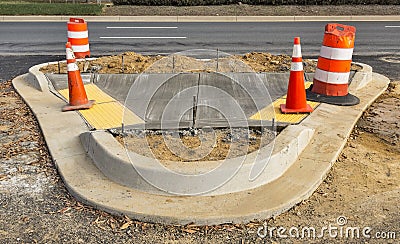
[49, 18]
[85, 181]
[155, 97]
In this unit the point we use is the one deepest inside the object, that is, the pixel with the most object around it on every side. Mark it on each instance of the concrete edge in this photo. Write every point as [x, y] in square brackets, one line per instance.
[366, 77]
[361, 79]
[51, 18]
[86, 183]
[103, 149]
[36, 78]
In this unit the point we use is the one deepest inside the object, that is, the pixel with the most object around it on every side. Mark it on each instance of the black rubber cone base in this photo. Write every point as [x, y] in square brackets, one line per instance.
[348, 100]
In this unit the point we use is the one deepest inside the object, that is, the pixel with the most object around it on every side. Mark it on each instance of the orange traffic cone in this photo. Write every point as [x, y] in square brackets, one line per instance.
[296, 95]
[77, 94]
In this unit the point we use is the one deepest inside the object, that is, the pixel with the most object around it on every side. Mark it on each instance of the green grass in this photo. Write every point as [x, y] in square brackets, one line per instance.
[23, 8]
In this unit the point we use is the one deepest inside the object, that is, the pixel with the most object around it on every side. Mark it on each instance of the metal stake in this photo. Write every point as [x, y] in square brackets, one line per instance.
[173, 64]
[194, 110]
[122, 64]
[217, 59]
[273, 125]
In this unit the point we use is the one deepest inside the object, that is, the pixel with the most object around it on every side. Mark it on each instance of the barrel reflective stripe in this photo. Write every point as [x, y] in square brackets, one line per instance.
[296, 51]
[72, 67]
[78, 34]
[331, 77]
[296, 66]
[80, 48]
[336, 53]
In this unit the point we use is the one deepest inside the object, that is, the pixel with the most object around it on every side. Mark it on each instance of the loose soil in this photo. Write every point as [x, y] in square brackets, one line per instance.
[200, 145]
[130, 62]
[254, 10]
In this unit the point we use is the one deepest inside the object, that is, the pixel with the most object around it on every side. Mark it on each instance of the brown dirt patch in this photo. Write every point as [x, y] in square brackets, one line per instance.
[382, 117]
[180, 146]
[133, 63]
[136, 63]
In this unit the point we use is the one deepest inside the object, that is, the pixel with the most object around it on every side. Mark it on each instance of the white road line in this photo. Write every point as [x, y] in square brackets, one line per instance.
[143, 37]
[392, 26]
[138, 27]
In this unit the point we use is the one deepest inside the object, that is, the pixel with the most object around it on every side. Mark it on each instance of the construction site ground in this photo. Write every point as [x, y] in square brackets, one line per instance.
[131, 62]
[153, 145]
[363, 186]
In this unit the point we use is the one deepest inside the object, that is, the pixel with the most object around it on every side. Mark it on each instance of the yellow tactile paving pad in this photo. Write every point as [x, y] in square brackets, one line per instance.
[93, 93]
[268, 112]
[107, 112]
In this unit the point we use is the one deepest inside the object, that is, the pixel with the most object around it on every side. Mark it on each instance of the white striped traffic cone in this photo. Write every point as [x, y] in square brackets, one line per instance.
[77, 94]
[296, 94]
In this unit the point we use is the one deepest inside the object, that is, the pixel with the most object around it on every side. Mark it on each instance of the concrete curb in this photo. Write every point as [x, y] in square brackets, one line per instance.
[103, 148]
[37, 79]
[332, 125]
[50, 18]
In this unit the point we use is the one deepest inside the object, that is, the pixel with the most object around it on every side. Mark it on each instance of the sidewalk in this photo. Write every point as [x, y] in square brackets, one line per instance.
[200, 18]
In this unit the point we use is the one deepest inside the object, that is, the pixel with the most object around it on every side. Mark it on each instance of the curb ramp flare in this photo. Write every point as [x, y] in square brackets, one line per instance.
[89, 185]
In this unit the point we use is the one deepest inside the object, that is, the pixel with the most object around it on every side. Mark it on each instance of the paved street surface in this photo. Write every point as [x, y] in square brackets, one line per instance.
[372, 38]
[375, 41]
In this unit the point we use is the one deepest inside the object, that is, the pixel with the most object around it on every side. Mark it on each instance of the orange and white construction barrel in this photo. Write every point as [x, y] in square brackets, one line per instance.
[331, 78]
[78, 36]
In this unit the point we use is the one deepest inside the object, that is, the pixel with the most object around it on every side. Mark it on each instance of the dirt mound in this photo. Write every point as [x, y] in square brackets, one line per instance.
[131, 62]
[266, 62]
[382, 118]
[128, 62]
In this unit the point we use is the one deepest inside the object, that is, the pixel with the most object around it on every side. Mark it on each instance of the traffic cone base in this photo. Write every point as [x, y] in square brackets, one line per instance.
[87, 105]
[306, 109]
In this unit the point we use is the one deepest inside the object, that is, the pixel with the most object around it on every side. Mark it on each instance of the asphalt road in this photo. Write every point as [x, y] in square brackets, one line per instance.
[376, 44]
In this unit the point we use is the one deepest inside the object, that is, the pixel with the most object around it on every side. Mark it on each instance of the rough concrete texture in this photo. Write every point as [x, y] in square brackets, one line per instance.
[222, 99]
[112, 160]
[84, 180]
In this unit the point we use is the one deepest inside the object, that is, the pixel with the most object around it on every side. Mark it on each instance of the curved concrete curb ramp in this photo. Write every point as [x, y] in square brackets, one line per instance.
[104, 149]
[331, 125]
